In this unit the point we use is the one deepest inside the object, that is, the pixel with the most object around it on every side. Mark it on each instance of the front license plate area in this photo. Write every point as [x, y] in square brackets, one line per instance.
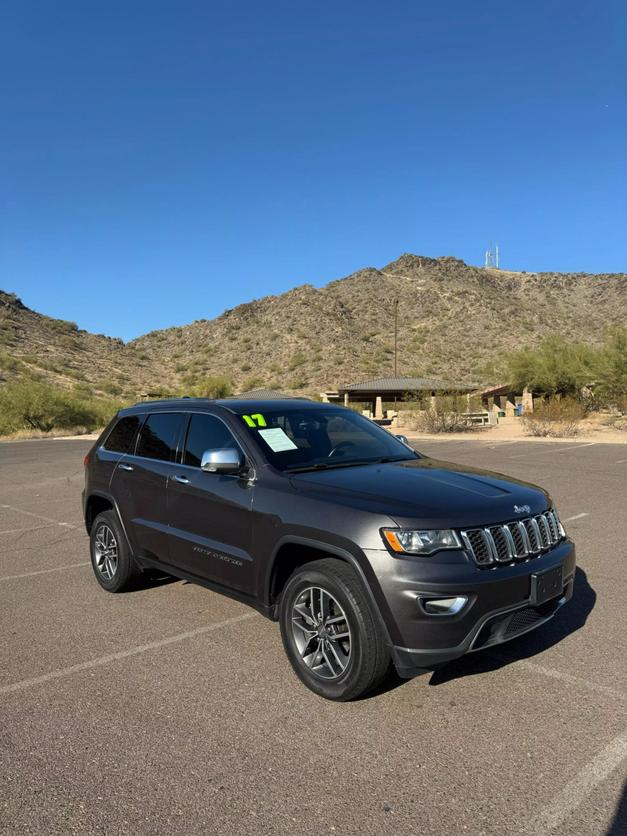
[546, 585]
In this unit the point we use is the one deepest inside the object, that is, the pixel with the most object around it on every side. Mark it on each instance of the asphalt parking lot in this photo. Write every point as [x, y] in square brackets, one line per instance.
[172, 709]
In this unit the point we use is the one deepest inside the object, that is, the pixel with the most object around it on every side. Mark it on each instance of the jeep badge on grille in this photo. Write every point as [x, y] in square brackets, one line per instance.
[522, 509]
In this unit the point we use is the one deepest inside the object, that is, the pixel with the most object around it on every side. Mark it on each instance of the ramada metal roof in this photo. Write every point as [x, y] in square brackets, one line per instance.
[266, 395]
[407, 384]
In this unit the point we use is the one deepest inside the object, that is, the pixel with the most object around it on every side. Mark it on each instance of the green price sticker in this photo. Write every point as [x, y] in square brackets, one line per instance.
[256, 420]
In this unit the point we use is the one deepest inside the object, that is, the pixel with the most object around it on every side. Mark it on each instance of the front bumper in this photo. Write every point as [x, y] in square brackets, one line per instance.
[499, 605]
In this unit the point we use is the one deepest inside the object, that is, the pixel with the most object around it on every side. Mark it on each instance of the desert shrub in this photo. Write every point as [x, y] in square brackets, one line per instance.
[9, 363]
[111, 387]
[212, 387]
[444, 416]
[611, 372]
[29, 405]
[617, 421]
[555, 367]
[61, 326]
[251, 383]
[555, 418]
[83, 389]
[296, 360]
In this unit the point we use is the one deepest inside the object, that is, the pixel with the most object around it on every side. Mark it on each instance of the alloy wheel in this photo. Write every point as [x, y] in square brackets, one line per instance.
[105, 552]
[321, 633]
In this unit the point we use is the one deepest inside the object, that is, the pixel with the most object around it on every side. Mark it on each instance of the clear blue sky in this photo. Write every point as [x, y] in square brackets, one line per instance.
[162, 161]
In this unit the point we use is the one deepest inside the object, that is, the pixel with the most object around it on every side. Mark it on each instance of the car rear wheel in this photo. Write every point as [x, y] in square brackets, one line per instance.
[331, 633]
[111, 559]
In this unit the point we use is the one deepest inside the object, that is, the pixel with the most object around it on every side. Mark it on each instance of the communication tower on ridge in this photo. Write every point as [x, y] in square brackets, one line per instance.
[492, 256]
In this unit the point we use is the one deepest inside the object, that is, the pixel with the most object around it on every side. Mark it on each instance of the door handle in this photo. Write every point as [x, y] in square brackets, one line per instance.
[126, 466]
[182, 479]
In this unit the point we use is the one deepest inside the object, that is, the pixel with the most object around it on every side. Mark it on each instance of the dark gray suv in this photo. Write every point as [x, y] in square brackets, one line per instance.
[367, 553]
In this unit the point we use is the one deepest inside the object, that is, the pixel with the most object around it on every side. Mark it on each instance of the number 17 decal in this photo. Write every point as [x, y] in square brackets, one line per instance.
[256, 420]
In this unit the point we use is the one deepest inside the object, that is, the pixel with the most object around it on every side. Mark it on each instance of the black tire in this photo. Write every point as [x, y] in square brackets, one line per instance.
[368, 658]
[106, 528]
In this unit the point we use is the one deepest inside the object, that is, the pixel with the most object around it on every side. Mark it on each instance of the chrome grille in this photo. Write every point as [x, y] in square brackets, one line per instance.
[502, 550]
[514, 540]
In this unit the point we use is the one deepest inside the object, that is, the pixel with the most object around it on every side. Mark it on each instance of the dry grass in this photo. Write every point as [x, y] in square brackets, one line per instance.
[445, 416]
[555, 418]
[25, 435]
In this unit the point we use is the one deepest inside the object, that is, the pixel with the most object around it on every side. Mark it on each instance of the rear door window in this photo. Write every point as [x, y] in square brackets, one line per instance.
[159, 436]
[122, 437]
[206, 432]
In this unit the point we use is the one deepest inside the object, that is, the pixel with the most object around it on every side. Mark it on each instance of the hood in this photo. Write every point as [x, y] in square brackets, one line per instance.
[426, 492]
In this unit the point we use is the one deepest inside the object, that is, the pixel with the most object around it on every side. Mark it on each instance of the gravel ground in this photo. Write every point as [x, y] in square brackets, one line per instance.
[173, 710]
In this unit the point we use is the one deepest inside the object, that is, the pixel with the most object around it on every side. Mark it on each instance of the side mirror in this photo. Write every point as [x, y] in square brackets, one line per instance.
[221, 461]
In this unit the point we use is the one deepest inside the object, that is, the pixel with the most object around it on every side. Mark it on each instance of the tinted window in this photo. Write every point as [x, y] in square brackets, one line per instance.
[122, 436]
[159, 436]
[206, 433]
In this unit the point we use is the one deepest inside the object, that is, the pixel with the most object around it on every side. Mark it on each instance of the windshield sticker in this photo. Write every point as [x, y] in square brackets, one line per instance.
[256, 420]
[277, 440]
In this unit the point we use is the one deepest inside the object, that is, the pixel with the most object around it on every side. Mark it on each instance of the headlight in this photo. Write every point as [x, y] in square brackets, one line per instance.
[418, 541]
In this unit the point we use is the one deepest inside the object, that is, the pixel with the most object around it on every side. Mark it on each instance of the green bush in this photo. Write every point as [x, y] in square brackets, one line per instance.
[212, 387]
[559, 368]
[555, 367]
[28, 405]
[612, 369]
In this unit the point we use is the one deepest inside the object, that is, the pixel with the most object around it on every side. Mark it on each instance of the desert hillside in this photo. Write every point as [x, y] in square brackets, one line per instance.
[454, 320]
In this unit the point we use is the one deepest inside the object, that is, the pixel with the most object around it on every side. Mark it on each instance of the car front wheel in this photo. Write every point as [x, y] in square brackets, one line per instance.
[331, 633]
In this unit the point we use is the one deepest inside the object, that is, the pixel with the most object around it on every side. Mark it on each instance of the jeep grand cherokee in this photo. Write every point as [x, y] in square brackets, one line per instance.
[368, 553]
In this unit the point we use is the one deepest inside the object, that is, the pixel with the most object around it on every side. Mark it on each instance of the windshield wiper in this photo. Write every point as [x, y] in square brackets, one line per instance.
[328, 466]
[352, 463]
[388, 459]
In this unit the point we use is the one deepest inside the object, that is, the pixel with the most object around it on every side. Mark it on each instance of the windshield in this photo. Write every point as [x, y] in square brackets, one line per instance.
[317, 439]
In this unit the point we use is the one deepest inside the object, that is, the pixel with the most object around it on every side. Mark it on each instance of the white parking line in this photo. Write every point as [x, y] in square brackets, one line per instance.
[21, 530]
[38, 516]
[500, 444]
[567, 677]
[61, 673]
[577, 516]
[557, 449]
[579, 788]
[577, 446]
[43, 571]
[621, 461]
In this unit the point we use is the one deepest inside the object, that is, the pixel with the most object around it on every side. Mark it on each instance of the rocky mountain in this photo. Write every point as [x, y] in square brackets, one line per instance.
[453, 320]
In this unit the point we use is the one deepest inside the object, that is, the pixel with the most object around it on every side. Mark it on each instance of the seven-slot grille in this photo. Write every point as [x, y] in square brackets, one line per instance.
[514, 540]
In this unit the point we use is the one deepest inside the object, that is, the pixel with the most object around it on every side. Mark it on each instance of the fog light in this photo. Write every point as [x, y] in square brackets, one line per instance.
[444, 606]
